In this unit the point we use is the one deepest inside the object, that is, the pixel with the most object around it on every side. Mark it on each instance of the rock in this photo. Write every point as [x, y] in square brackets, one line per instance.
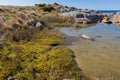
[106, 20]
[116, 18]
[87, 17]
[10, 78]
[87, 37]
[39, 25]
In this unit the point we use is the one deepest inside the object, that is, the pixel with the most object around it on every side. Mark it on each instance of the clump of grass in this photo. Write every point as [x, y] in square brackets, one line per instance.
[56, 20]
[9, 16]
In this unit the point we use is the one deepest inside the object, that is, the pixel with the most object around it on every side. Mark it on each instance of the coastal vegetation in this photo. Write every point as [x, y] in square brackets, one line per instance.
[54, 20]
[30, 48]
[41, 58]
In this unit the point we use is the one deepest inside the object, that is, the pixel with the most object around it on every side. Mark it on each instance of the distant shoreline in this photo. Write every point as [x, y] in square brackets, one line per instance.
[108, 11]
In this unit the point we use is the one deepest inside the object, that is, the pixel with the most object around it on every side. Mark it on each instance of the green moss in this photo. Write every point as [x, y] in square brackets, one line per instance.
[59, 62]
[37, 59]
[49, 38]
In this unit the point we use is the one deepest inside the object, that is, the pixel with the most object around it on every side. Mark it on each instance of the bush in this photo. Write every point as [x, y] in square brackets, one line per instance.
[44, 7]
[48, 8]
[40, 5]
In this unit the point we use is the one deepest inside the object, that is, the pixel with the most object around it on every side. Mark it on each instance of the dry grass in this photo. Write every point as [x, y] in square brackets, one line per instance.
[55, 20]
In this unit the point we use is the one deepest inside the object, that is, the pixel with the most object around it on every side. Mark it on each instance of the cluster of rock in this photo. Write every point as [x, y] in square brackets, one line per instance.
[115, 16]
[84, 16]
[87, 18]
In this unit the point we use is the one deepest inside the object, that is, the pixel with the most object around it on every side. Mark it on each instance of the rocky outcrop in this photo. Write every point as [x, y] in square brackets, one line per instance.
[87, 17]
[116, 18]
[106, 20]
[84, 16]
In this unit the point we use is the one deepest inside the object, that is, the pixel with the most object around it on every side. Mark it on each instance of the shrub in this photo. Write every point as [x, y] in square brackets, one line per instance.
[48, 8]
[22, 34]
[40, 5]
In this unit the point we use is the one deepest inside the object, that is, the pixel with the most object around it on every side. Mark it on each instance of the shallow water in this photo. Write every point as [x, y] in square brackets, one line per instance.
[99, 58]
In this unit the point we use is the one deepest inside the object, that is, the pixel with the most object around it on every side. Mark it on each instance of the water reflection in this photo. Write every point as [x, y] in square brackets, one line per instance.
[78, 25]
[117, 25]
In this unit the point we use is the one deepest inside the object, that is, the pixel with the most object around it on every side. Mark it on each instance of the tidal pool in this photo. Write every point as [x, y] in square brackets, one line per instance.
[99, 58]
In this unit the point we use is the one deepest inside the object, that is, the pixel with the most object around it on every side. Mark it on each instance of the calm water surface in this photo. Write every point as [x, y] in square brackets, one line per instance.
[99, 58]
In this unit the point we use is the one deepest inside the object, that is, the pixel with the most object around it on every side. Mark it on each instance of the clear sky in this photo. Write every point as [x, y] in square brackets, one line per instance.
[89, 4]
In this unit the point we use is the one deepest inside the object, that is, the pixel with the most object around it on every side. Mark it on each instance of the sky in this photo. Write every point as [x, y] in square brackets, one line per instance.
[84, 4]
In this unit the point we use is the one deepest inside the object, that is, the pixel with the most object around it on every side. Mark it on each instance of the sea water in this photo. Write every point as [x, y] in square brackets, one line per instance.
[99, 58]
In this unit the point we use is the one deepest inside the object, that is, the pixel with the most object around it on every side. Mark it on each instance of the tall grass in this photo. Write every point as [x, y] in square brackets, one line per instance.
[55, 20]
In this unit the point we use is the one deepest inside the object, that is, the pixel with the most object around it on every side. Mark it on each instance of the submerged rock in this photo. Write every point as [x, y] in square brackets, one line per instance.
[87, 37]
